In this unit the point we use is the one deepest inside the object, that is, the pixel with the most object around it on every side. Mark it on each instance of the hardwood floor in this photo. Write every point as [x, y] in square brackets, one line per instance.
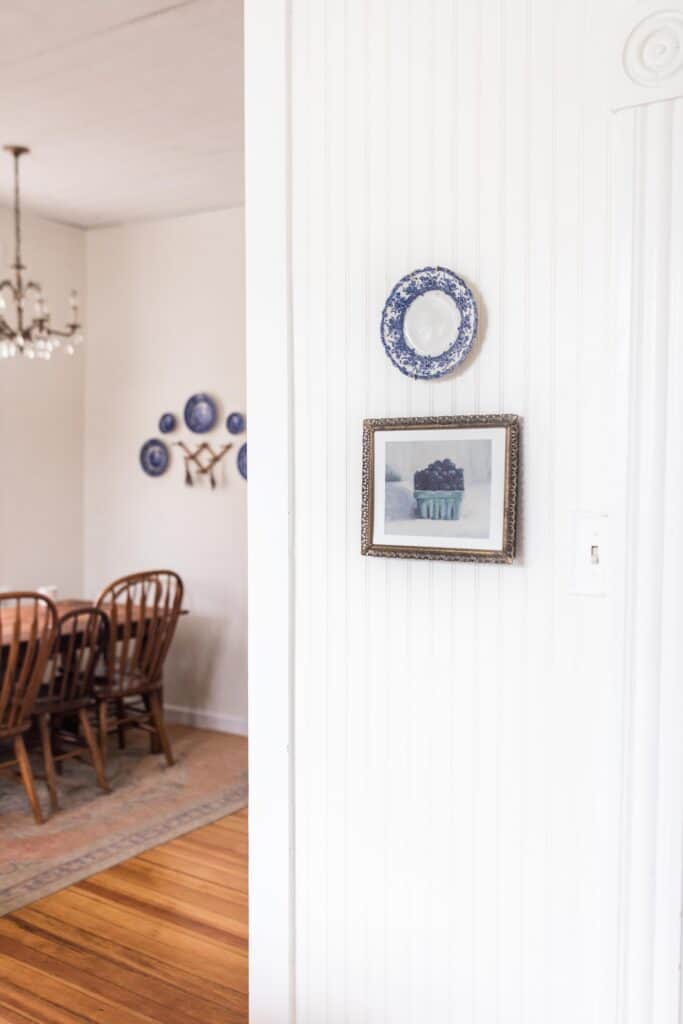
[160, 938]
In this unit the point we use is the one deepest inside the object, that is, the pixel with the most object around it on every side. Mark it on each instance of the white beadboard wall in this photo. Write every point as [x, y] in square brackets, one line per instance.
[459, 730]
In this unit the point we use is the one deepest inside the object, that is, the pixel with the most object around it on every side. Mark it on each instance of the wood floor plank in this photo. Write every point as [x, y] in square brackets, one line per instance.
[235, 823]
[217, 914]
[191, 952]
[237, 842]
[180, 919]
[70, 950]
[58, 993]
[36, 1008]
[40, 972]
[116, 949]
[80, 969]
[210, 853]
[188, 865]
[214, 840]
[160, 939]
[195, 883]
[10, 1016]
[226, 915]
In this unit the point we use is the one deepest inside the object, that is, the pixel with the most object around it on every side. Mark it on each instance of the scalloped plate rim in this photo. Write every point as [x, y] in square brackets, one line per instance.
[401, 354]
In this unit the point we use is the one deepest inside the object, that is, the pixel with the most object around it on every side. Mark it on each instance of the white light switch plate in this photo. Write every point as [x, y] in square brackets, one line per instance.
[591, 554]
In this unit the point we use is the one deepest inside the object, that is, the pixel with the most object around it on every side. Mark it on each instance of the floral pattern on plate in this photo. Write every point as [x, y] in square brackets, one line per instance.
[402, 354]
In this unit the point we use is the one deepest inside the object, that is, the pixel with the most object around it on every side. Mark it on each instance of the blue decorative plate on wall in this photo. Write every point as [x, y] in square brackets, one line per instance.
[242, 460]
[200, 413]
[429, 323]
[167, 423]
[235, 422]
[154, 457]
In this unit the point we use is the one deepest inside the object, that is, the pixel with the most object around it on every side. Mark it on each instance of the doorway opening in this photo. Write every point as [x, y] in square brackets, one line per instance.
[123, 817]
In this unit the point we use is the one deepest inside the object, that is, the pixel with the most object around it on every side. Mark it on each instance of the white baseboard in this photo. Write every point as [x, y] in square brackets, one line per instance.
[205, 719]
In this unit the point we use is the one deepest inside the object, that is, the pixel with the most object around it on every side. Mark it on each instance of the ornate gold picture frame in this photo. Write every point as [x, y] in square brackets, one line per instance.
[441, 487]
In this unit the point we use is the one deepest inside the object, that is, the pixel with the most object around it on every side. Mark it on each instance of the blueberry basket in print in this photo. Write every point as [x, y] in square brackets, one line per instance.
[439, 490]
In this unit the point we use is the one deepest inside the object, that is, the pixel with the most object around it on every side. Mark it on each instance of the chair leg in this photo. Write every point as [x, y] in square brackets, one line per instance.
[157, 713]
[102, 720]
[27, 777]
[154, 744]
[95, 752]
[48, 759]
[121, 712]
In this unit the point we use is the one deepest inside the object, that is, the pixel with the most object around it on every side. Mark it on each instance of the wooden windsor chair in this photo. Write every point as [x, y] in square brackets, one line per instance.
[143, 611]
[68, 695]
[28, 627]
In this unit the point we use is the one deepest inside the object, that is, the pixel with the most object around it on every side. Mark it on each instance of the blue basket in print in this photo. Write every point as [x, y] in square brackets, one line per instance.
[438, 504]
[439, 490]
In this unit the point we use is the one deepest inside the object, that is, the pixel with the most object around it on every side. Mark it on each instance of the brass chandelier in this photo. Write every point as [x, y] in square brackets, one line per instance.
[30, 336]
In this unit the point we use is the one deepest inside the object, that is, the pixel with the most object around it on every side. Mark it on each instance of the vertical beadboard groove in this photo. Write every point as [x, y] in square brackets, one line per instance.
[456, 726]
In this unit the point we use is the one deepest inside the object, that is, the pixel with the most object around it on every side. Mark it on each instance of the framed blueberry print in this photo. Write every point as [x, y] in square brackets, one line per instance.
[429, 323]
[441, 487]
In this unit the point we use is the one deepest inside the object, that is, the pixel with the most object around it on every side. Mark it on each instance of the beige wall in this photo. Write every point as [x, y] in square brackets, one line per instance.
[41, 427]
[165, 320]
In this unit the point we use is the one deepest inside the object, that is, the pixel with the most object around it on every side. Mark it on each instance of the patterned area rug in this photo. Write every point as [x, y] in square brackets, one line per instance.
[149, 805]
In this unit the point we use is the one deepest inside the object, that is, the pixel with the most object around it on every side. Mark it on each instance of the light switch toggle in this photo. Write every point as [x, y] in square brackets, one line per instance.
[591, 554]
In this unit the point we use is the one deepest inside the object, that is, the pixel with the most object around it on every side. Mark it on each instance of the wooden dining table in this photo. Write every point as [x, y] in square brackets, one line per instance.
[7, 617]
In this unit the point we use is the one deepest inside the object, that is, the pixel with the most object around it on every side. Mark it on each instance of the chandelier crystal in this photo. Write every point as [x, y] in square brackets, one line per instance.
[33, 335]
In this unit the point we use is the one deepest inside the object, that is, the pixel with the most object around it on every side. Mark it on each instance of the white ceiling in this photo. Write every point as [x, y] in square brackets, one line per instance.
[133, 109]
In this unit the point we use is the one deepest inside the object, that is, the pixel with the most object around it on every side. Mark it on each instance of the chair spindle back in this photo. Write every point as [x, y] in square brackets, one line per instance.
[28, 627]
[80, 645]
[143, 611]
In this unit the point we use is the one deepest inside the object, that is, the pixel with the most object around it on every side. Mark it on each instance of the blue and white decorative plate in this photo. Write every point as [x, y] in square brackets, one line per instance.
[235, 422]
[242, 460]
[154, 457]
[429, 323]
[167, 423]
[200, 413]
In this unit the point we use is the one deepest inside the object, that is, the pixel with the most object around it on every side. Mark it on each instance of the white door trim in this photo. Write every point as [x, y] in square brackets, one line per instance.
[268, 318]
[647, 300]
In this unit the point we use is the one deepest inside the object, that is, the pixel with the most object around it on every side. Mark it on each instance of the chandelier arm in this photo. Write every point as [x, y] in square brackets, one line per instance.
[5, 329]
[8, 284]
[69, 333]
[34, 329]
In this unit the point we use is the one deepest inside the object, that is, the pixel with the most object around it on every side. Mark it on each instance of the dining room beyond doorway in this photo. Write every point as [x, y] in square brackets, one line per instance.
[123, 590]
